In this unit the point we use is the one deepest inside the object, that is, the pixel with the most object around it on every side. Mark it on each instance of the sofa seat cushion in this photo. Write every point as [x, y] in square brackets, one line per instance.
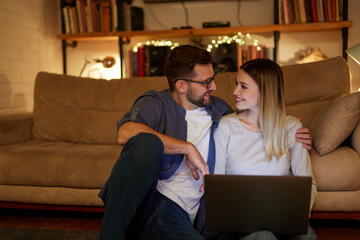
[339, 201]
[57, 164]
[51, 195]
[338, 170]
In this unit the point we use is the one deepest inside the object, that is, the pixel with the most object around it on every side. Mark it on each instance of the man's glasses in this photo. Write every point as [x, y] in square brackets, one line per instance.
[207, 83]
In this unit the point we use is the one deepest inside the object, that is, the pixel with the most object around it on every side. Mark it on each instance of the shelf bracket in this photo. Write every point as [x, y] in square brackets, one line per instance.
[276, 45]
[73, 44]
[345, 34]
[65, 45]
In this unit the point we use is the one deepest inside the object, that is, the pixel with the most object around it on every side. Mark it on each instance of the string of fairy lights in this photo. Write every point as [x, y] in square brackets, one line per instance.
[239, 38]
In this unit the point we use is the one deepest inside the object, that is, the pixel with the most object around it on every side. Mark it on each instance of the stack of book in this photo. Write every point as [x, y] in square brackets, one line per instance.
[148, 60]
[303, 11]
[88, 16]
[229, 57]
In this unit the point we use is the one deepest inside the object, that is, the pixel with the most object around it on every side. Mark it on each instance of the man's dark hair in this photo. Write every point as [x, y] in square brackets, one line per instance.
[181, 62]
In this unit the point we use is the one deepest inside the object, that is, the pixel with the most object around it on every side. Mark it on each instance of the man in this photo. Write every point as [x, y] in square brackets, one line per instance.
[155, 190]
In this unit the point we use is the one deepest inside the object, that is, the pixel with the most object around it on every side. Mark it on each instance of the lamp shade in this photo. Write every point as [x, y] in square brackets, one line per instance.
[354, 52]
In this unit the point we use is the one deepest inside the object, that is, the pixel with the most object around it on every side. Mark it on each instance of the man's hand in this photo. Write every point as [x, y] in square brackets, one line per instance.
[195, 162]
[303, 135]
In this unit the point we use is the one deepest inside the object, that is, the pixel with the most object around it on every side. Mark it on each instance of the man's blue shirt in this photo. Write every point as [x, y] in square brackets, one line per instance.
[161, 112]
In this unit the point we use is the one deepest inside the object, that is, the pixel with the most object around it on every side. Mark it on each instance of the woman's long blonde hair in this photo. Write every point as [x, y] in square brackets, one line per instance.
[272, 116]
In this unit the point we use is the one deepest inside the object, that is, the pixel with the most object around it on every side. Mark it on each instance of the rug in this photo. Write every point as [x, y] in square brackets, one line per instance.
[46, 234]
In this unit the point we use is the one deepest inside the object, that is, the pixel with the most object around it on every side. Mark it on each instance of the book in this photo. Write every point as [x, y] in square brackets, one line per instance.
[314, 11]
[94, 17]
[319, 8]
[140, 62]
[341, 10]
[114, 16]
[326, 13]
[333, 8]
[239, 55]
[105, 17]
[80, 7]
[120, 14]
[281, 12]
[66, 18]
[88, 12]
[286, 11]
[291, 11]
[308, 9]
[127, 16]
[74, 26]
[297, 11]
[329, 10]
[302, 11]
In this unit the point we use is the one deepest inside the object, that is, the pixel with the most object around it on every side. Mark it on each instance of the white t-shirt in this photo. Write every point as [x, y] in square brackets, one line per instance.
[181, 187]
[242, 152]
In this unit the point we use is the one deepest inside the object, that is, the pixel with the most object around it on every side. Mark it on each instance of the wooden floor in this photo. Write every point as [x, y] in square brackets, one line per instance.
[325, 229]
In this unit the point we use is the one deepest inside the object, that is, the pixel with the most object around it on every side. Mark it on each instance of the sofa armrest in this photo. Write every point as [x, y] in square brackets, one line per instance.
[15, 128]
[355, 138]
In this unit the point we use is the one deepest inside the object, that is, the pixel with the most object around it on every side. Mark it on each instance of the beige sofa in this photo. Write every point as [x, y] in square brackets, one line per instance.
[62, 153]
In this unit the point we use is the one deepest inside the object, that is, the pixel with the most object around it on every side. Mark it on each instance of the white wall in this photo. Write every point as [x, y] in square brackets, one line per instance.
[28, 41]
[26, 47]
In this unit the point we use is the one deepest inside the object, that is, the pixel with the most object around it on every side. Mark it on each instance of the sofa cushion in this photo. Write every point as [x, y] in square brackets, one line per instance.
[312, 86]
[337, 123]
[51, 195]
[355, 138]
[57, 164]
[337, 171]
[337, 201]
[84, 110]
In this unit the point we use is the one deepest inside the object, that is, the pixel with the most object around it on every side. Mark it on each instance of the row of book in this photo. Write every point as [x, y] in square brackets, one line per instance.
[89, 16]
[303, 11]
[149, 60]
[229, 57]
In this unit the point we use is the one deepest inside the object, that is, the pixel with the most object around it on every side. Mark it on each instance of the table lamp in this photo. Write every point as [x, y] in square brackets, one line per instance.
[107, 62]
[354, 53]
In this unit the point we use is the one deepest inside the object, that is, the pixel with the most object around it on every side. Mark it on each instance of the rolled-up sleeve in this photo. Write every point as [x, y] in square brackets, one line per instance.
[147, 110]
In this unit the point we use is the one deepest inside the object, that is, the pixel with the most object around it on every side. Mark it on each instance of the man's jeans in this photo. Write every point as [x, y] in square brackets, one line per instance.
[267, 235]
[132, 176]
[168, 221]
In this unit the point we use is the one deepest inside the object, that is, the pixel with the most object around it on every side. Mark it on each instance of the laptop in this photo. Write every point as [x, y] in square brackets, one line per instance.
[246, 204]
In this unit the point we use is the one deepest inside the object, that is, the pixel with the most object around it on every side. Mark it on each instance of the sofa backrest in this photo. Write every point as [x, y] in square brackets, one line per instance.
[86, 110]
[311, 87]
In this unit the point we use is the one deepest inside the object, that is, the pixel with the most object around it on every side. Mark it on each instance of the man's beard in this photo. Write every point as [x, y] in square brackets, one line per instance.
[197, 100]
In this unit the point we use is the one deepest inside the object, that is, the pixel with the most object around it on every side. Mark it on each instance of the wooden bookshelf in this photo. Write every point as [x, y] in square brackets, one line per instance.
[126, 36]
[304, 27]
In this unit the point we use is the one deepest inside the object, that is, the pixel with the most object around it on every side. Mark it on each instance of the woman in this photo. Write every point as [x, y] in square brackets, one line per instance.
[259, 139]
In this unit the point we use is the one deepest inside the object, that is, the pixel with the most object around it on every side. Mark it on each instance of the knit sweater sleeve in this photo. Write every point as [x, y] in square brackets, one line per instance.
[222, 138]
[300, 158]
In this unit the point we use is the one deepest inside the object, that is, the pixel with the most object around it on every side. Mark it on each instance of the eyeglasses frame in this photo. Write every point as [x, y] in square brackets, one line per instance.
[207, 82]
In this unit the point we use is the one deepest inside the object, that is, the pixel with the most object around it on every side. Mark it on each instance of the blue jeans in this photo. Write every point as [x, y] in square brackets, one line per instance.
[267, 235]
[168, 221]
[133, 177]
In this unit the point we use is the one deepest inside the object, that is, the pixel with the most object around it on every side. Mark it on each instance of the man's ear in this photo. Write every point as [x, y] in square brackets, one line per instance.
[181, 86]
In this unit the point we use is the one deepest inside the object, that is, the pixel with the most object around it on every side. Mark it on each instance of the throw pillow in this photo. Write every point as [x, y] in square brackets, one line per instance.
[337, 122]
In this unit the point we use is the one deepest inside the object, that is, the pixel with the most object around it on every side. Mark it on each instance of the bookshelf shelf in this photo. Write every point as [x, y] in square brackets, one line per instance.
[304, 27]
[126, 36]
